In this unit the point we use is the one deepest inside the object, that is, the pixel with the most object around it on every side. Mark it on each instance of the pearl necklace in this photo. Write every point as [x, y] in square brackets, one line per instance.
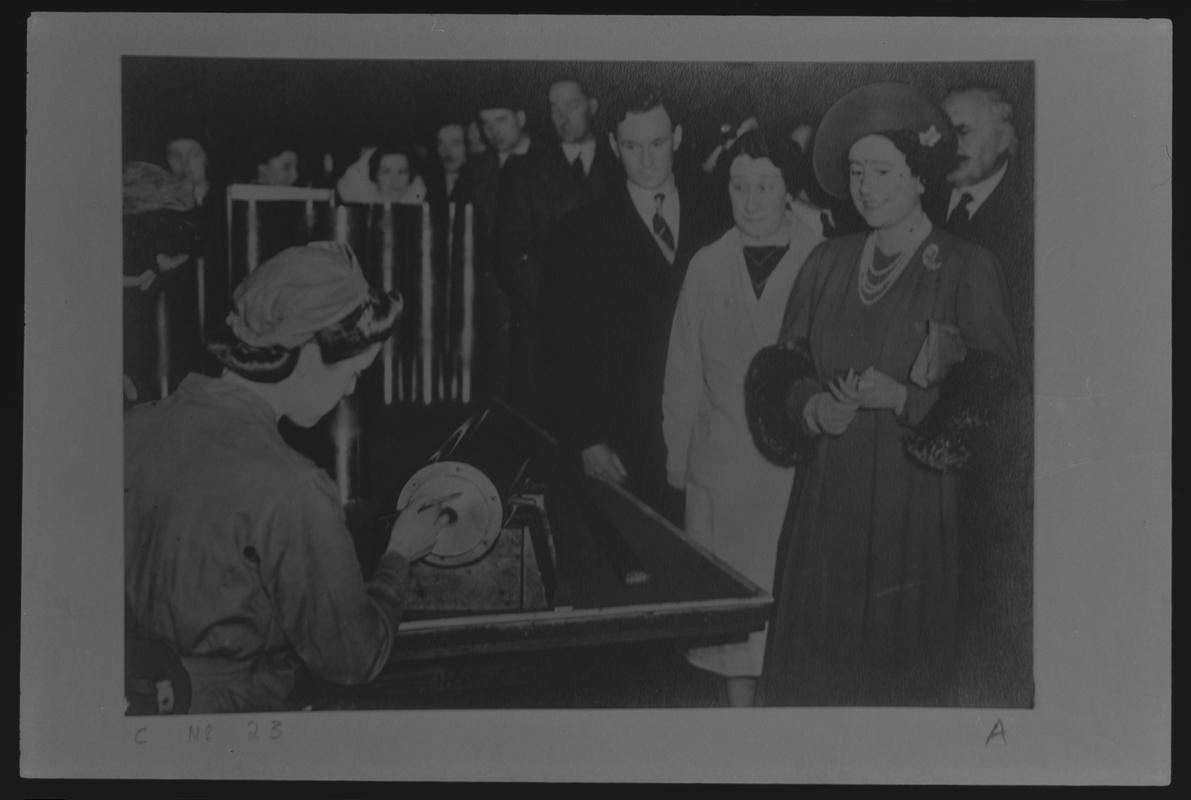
[875, 283]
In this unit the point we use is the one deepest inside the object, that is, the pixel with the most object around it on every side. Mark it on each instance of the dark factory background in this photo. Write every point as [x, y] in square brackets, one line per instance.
[334, 105]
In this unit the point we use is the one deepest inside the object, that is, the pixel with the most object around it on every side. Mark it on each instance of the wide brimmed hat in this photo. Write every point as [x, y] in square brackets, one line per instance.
[875, 108]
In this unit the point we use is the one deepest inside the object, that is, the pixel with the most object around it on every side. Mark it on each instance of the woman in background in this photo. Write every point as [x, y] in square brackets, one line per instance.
[162, 234]
[396, 174]
[730, 307]
[188, 154]
[275, 162]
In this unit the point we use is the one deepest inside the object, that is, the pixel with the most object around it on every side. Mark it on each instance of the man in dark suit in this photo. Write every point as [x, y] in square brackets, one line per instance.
[991, 203]
[991, 200]
[610, 298]
[503, 122]
[448, 182]
[535, 195]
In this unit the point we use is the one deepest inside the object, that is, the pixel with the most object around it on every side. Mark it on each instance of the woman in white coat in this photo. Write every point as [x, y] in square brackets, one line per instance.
[732, 302]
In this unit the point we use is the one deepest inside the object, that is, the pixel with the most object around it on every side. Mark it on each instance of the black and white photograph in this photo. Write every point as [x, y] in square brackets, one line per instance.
[645, 387]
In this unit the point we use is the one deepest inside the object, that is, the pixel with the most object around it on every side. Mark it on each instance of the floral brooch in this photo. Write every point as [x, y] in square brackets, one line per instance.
[930, 257]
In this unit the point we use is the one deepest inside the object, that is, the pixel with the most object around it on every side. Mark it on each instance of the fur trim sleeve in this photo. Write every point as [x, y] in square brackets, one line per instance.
[780, 435]
[963, 423]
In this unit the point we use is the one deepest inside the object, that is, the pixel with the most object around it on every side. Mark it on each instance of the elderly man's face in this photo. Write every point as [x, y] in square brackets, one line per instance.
[571, 112]
[502, 127]
[646, 143]
[983, 138]
[452, 147]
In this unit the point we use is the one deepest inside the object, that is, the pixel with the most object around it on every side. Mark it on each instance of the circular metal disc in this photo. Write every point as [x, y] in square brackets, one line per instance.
[476, 513]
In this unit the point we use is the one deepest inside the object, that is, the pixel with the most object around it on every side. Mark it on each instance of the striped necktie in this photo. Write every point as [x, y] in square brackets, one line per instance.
[660, 227]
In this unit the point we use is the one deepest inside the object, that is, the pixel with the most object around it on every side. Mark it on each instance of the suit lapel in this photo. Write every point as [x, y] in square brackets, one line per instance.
[688, 223]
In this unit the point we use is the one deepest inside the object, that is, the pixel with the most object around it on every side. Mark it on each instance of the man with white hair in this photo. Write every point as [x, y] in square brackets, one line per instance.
[991, 200]
[991, 204]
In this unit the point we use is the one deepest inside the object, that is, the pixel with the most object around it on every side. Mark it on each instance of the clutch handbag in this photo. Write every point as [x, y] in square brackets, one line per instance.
[942, 349]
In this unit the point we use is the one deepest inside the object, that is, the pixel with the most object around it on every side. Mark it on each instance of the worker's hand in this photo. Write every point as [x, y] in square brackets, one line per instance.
[601, 462]
[824, 413]
[415, 531]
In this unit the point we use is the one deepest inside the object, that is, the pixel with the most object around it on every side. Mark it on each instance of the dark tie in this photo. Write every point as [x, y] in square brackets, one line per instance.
[659, 224]
[960, 216]
[577, 170]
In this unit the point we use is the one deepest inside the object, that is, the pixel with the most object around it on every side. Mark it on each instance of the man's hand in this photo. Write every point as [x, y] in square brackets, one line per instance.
[601, 462]
[415, 531]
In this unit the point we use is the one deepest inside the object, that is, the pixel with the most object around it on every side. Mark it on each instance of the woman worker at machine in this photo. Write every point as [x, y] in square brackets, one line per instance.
[237, 553]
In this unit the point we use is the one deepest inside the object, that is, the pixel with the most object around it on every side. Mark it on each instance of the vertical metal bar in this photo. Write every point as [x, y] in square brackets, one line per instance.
[309, 217]
[450, 356]
[345, 431]
[231, 269]
[467, 339]
[253, 238]
[386, 278]
[341, 224]
[405, 345]
[200, 274]
[427, 310]
[163, 345]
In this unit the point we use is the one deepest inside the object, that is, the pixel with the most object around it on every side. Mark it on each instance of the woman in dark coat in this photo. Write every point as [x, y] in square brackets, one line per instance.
[866, 582]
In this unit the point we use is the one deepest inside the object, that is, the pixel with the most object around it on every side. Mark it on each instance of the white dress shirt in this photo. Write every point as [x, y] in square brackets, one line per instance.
[520, 149]
[584, 150]
[979, 191]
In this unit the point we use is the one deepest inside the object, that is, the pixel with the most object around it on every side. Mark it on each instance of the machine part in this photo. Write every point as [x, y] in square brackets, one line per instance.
[485, 459]
[474, 517]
